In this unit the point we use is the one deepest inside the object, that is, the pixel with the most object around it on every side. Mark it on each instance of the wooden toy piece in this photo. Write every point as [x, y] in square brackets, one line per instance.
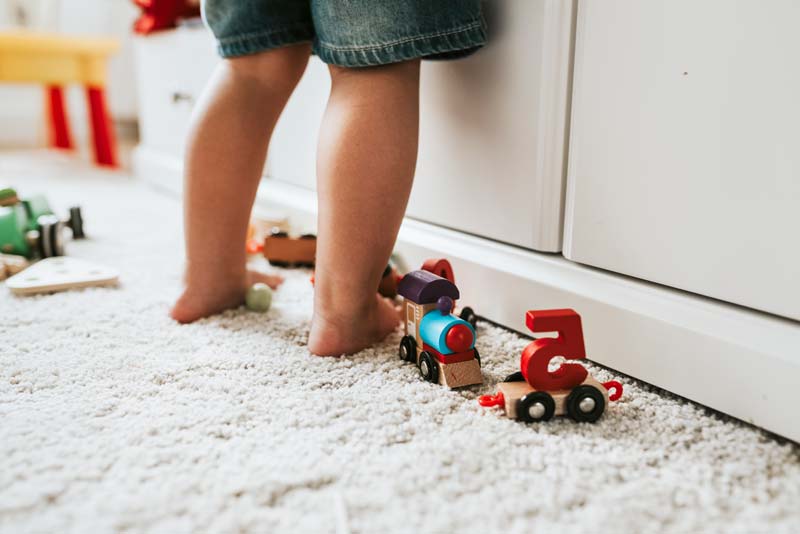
[284, 251]
[586, 402]
[389, 281]
[439, 343]
[57, 274]
[259, 297]
[262, 224]
[537, 394]
[440, 267]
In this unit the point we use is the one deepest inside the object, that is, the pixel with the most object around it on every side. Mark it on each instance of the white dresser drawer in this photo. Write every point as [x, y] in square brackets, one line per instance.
[172, 70]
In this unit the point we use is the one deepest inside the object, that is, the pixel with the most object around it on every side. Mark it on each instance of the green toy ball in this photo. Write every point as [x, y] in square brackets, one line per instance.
[259, 297]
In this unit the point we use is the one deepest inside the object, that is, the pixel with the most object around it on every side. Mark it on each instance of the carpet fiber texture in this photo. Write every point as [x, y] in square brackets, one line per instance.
[114, 418]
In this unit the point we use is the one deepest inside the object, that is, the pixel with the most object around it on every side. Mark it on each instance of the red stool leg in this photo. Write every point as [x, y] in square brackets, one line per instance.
[57, 115]
[105, 146]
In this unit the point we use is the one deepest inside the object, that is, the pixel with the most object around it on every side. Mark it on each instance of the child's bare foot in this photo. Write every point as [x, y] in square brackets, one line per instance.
[198, 301]
[335, 333]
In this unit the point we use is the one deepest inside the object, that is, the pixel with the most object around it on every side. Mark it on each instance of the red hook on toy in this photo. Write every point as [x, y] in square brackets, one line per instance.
[492, 400]
[616, 386]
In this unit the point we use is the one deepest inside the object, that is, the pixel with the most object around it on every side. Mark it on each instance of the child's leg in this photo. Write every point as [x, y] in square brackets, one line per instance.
[225, 157]
[365, 167]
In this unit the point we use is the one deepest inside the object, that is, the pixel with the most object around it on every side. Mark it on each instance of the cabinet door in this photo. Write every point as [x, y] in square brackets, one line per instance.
[173, 68]
[492, 129]
[684, 163]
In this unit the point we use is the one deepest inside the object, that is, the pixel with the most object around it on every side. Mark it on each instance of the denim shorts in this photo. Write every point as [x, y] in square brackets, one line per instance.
[349, 33]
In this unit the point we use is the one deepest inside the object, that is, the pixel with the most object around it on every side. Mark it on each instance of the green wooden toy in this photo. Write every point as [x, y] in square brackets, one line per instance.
[28, 227]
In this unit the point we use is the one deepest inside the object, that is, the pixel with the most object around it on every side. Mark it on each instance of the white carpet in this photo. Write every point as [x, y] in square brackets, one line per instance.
[114, 418]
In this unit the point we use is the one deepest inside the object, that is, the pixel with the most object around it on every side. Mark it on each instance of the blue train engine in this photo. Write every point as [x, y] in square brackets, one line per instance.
[441, 344]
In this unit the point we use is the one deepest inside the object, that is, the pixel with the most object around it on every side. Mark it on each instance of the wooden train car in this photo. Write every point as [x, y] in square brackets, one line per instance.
[535, 393]
[281, 250]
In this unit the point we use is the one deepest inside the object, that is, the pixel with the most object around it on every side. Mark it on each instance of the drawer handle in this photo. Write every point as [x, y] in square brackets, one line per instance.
[177, 97]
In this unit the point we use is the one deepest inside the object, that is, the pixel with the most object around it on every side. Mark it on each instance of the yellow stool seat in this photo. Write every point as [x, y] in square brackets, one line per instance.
[55, 60]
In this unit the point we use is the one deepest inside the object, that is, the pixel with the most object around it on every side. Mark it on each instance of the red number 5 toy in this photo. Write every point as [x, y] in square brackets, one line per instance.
[536, 393]
[569, 344]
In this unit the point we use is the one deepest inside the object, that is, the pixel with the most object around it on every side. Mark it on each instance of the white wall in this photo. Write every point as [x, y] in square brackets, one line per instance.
[21, 106]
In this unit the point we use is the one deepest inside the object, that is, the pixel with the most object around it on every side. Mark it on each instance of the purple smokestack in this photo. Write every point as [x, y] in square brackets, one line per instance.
[444, 304]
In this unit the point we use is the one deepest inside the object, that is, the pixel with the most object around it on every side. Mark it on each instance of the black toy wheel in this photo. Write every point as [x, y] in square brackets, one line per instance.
[308, 236]
[477, 355]
[585, 404]
[468, 314]
[76, 222]
[428, 368]
[277, 232]
[535, 407]
[276, 263]
[408, 349]
[51, 239]
[515, 377]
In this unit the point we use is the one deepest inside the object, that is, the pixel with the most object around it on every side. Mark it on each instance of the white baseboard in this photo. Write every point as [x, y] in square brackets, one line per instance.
[738, 361]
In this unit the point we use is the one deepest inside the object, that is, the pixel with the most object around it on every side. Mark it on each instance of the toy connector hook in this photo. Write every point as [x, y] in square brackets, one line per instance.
[613, 385]
[492, 400]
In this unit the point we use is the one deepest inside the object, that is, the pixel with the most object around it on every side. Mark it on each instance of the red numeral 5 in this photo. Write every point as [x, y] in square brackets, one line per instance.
[569, 344]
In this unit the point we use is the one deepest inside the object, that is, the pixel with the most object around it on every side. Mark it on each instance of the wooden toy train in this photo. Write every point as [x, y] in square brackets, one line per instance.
[441, 344]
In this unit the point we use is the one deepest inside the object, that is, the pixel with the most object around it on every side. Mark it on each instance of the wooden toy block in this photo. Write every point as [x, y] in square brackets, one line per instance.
[460, 374]
[284, 251]
[58, 274]
[535, 393]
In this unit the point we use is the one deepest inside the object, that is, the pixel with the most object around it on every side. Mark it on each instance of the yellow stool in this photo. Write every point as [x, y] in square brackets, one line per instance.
[55, 60]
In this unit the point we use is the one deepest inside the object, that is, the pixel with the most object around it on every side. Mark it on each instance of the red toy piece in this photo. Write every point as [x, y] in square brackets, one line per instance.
[163, 14]
[537, 394]
[440, 267]
[569, 344]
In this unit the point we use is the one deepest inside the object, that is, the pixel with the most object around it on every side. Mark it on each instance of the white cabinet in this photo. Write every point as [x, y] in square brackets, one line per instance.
[173, 67]
[492, 129]
[684, 164]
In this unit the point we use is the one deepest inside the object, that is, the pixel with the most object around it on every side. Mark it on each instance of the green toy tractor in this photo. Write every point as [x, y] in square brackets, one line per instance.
[28, 227]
